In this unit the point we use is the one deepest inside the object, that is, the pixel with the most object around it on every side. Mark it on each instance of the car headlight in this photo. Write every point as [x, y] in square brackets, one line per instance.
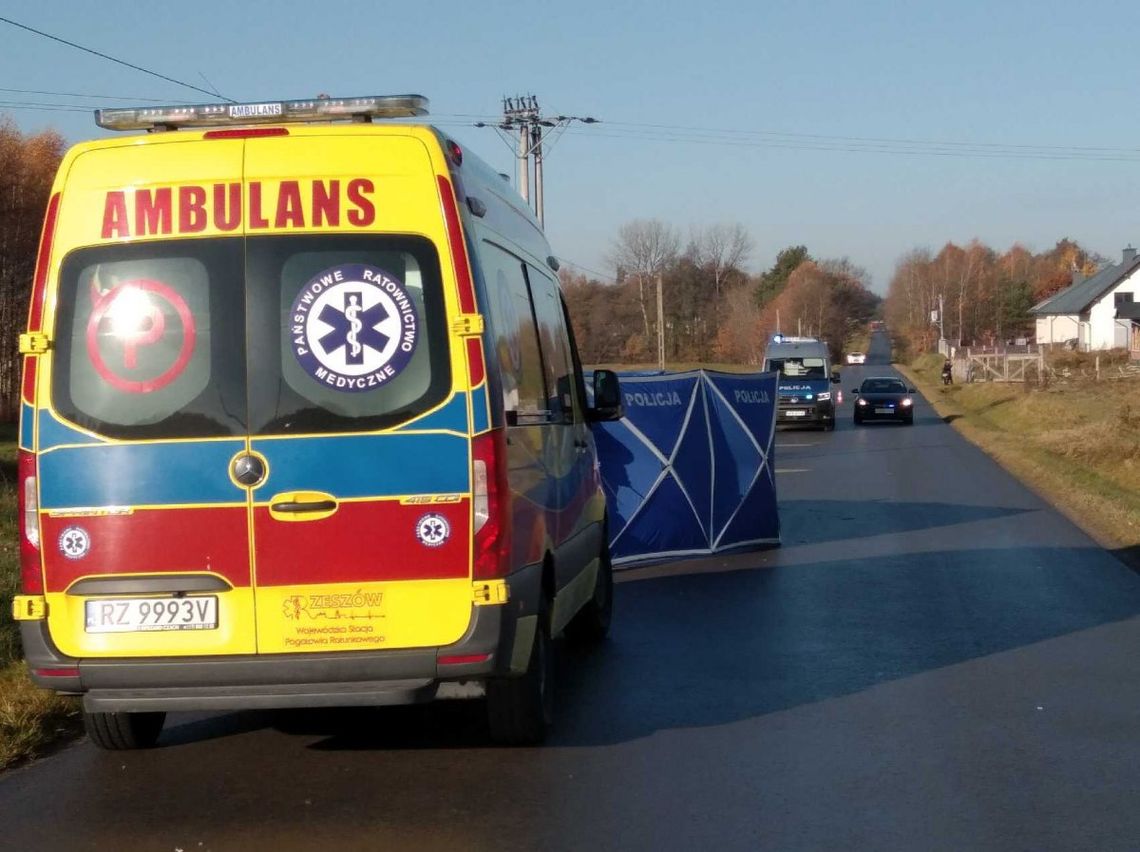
[823, 397]
[862, 401]
[907, 402]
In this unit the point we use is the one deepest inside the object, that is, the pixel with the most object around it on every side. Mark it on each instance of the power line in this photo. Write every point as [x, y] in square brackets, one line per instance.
[122, 98]
[113, 59]
[982, 151]
[609, 279]
[15, 106]
[868, 139]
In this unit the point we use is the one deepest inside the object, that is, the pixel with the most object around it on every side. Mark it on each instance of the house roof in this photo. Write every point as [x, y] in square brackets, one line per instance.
[1080, 296]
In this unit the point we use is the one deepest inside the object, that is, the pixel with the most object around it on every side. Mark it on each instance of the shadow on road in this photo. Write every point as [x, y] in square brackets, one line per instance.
[1130, 556]
[818, 521]
[712, 649]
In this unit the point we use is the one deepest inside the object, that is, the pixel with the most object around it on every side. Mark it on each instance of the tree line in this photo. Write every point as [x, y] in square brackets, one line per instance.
[713, 309]
[986, 296]
[27, 169]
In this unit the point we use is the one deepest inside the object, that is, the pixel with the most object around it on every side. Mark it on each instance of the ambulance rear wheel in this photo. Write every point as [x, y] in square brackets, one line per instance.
[520, 710]
[123, 731]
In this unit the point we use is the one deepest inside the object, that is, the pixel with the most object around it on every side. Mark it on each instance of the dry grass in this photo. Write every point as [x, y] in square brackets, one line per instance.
[1077, 442]
[31, 719]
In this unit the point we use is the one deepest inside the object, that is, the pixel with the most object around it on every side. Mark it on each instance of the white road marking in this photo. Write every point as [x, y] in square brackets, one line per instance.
[793, 470]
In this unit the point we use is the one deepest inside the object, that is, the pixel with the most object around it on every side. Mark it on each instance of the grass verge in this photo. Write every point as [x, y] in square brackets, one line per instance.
[1075, 443]
[31, 719]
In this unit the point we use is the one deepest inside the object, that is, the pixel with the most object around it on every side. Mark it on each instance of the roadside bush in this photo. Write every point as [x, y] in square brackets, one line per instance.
[1085, 362]
[902, 349]
[928, 365]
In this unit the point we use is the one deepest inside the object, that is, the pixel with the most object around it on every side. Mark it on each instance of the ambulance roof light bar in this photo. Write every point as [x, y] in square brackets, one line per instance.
[263, 112]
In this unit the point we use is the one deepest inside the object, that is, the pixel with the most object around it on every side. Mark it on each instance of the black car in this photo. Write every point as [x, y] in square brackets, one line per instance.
[884, 398]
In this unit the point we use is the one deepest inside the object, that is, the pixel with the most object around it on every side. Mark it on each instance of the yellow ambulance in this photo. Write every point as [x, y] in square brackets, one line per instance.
[303, 424]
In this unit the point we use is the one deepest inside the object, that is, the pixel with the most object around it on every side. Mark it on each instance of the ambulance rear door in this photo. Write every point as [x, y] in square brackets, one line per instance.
[358, 408]
[141, 409]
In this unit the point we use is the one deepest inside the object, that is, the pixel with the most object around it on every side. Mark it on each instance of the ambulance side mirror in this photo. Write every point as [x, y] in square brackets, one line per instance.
[607, 397]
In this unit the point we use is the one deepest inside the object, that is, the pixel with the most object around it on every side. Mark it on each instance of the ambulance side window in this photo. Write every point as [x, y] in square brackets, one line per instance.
[149, 340]
[575, 358]
[514, 332]
[556, 358]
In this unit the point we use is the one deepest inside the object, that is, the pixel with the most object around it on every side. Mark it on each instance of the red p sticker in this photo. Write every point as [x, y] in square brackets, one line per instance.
[134, 314]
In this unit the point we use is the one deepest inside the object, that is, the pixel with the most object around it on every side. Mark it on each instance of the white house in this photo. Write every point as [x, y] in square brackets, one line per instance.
[1101, 312]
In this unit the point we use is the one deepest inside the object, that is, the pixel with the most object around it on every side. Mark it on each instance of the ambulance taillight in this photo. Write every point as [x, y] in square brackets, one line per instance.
[27, 494]
[27, 499]
[491, 506]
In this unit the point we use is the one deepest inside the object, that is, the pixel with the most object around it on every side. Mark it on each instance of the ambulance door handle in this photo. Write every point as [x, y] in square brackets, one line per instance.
[302, 506]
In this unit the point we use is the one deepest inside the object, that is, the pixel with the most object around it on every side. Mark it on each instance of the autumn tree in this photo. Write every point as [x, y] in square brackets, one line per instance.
[825, 300]
[987, 296]
[602, 314]
[773, 281]
[741, 334]
[27, 168]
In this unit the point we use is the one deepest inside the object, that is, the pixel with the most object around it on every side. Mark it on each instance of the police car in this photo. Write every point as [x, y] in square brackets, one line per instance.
[805, 380]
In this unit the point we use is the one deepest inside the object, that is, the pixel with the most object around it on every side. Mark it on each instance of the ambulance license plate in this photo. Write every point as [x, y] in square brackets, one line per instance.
[140, 615]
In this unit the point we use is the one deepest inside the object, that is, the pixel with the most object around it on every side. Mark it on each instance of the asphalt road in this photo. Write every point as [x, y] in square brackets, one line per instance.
[933, 660]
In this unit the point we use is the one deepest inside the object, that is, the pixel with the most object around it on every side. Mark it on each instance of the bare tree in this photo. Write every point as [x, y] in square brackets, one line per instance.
[643, 248]
[720, 249]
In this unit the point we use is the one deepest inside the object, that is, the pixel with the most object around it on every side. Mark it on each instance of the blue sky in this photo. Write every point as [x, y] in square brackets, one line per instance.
[1004, 74]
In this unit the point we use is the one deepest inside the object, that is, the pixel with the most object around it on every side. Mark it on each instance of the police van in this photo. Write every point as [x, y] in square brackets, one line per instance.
[805, 380]
[302, 424]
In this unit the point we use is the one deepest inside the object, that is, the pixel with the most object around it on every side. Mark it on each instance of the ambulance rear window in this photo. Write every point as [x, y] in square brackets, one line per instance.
[347, 333]
[266, 335]
[149, 340]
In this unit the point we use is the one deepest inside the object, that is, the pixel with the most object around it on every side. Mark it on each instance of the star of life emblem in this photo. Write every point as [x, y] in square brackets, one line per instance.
[74, 542]
[433, 530]
[354, 327]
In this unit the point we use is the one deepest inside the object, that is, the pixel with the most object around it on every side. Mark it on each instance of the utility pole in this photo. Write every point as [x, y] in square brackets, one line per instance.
[660, 324]
[524, 164]
[519, 114]
[941, 327]
[536, 146]
[525, 129]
